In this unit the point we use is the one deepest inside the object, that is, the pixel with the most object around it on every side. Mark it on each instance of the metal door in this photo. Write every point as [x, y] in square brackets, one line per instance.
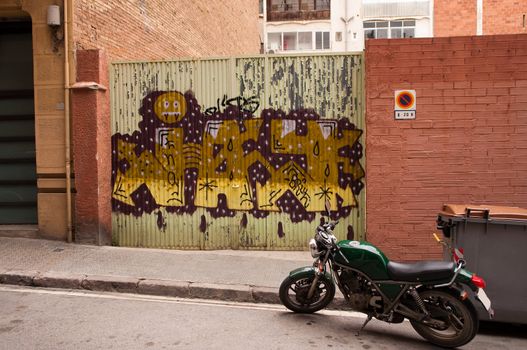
[18, 183]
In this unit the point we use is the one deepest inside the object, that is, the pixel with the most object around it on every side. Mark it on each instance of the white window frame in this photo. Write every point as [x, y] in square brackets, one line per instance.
[389, 27]
[323, 40]
[313, 41]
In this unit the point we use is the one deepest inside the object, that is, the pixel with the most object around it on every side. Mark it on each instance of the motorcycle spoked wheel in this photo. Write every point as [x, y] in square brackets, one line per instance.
[461, 324]
[294, 290]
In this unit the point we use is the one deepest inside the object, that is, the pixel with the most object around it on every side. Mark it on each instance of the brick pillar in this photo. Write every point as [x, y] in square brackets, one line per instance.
[92, 148]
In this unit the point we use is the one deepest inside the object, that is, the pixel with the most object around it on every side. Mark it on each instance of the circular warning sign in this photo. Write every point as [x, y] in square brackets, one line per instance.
[405, 100]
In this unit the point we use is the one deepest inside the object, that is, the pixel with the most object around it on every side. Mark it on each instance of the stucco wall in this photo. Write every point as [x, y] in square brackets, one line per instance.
[48, 75]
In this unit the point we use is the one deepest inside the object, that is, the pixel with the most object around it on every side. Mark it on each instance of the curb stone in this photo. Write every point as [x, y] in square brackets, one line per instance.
[266, 295]
[339, 303]
[228, 292]
[119, 284]
[169, 288]
[59, 280]
[20, 278]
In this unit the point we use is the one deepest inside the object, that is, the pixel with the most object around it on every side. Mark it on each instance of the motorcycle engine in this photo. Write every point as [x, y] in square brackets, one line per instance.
[360, 295]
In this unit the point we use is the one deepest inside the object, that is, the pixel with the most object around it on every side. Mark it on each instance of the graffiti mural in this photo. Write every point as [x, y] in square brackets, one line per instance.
[226, 159]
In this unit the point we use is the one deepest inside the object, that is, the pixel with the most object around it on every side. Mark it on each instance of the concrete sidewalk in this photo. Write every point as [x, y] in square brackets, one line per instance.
[248, 276]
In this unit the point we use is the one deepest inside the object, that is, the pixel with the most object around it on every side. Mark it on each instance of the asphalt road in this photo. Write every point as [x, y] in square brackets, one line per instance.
[32, 318]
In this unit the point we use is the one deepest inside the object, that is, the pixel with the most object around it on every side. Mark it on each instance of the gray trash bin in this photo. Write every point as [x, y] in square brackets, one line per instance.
[493, 242]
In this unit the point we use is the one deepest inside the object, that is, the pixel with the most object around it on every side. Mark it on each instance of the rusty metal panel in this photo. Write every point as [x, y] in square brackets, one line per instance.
[250, 80]
[238, 152]
[323, 83]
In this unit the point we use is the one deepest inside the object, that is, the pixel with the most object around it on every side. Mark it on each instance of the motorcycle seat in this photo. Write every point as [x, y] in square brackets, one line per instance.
[423, 271]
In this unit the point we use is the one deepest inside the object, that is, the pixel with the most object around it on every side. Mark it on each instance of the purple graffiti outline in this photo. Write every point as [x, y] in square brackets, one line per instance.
[193, 126]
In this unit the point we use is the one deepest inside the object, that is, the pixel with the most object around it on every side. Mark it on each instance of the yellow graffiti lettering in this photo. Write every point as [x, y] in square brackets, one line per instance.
[320, 147]
[252, 163]
[224, 167]
[162, 173]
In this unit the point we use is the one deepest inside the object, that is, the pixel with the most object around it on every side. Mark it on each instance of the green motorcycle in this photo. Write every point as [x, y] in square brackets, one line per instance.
[434, 295]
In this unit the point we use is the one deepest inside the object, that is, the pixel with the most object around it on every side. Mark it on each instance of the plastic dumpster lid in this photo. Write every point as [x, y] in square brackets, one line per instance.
[479, 211]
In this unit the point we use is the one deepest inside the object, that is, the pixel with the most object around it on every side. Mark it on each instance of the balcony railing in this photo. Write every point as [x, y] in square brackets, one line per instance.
[298, 10]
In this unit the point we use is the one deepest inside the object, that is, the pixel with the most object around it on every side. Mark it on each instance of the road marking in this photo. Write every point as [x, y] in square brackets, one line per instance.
[169, 300]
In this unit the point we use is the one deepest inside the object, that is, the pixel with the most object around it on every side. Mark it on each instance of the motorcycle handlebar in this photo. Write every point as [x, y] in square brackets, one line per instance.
[332, 224]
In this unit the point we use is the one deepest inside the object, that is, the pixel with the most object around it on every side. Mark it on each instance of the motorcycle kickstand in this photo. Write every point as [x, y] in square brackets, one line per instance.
[364, 324]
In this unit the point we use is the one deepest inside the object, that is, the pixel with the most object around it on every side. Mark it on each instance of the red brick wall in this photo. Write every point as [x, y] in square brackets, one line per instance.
[504, 16]
[455, 17]
[468, 143]
[160, 29]
[459, 17]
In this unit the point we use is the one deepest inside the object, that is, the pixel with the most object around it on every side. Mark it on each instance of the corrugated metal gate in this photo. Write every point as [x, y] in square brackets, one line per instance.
[237, 153]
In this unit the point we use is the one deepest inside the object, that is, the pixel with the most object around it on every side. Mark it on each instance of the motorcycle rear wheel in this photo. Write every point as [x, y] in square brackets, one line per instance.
[461, 322]
[294, 290]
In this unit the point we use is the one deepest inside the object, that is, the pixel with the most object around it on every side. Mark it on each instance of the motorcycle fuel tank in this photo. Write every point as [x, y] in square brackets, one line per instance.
[365, 257]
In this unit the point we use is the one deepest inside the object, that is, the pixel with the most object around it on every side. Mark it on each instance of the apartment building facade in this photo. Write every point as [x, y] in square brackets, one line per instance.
[344, 25]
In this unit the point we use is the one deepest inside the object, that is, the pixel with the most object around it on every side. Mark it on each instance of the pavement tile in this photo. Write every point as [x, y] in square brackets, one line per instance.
[199, 274]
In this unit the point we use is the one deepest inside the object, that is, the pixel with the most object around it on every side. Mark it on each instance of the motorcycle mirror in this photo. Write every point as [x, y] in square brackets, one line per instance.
[328, 207]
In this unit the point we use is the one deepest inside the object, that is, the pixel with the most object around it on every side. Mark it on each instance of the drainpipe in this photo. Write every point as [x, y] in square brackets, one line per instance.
[346, 26]
[346, 21]
[67, 131]
[431, 28]
[479, 17]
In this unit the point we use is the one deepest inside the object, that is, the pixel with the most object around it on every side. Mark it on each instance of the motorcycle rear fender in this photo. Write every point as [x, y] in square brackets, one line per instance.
[465, 279]
[309, 271]
[457, 292]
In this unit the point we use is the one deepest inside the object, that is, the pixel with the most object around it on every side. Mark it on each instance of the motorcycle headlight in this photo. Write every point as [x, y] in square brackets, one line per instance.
[313, 248]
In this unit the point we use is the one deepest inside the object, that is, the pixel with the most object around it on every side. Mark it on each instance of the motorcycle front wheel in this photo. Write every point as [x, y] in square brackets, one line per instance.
[294, 291]
[460, 323]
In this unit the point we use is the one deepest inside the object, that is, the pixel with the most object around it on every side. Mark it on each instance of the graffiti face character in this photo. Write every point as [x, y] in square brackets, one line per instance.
[170, 107]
